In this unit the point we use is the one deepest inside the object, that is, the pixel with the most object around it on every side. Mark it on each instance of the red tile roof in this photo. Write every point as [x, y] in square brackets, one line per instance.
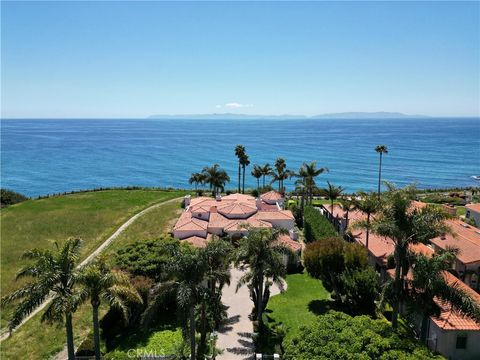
[196, 241]
[465, 237]
[274, 215]
[287, 241]
[237, 209]
[271, 196]
[187, 222]
[474, 207]
[241, 225]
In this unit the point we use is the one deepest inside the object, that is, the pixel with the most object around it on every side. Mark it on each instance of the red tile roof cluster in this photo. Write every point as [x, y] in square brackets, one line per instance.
[464, 237]
[230, 214]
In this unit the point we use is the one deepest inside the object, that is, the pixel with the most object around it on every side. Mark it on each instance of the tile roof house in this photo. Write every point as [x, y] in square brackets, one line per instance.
[232, 215]
[472, 211]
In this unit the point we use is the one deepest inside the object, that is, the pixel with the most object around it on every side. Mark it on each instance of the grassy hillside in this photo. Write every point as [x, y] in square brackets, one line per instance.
[95, 216]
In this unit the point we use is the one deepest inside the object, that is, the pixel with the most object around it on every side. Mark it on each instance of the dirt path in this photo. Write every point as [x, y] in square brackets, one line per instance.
[89, 258]
[235, 336]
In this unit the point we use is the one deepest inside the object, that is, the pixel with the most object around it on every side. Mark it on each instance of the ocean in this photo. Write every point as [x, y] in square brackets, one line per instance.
[41, 157]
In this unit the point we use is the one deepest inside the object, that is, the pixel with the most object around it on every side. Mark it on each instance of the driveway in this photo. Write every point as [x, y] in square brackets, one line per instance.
[235, 336]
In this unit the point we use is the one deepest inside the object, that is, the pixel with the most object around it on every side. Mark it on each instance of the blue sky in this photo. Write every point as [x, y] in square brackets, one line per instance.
[134, 59]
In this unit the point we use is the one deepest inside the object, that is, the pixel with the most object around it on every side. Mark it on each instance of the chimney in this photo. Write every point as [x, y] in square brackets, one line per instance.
[259, 203]
[218, 197]
[186, 200]
[293, 234]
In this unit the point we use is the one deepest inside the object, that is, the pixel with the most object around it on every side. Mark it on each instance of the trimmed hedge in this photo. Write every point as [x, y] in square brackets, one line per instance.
[316, 226]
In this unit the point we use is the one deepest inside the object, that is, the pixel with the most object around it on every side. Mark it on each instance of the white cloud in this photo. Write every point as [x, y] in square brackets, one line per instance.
[218, 106]
[235, 105]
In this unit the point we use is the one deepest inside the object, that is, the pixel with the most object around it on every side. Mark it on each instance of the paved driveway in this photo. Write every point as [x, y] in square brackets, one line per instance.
[234, 337]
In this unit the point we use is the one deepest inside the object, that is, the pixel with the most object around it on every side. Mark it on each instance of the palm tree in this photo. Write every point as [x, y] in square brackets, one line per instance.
[239, 153]
[54, 273]
[309, 172]
[216, 256]
[245, 162]
[369, 204]
[99, 282]
[332, 193]
[216, 177]
[257, 173]
[348, 204]
[266, 171]
[301, 188]
[196, 178]
[380, 149]
[188, 268]
[429, 283]
[281, 173]
[405, 224]
[261, 253]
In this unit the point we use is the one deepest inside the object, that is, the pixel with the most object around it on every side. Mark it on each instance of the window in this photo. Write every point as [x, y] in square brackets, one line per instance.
[461, 341]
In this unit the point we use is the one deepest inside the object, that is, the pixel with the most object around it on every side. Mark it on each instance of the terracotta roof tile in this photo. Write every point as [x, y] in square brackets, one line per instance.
[239, 225]
[237, 208]
[187, 222]
[287, 241]
[274, 215]
[272, 196]
[474, 207]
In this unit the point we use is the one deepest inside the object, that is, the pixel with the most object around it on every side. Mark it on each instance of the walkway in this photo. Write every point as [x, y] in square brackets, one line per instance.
[5, 333]
[235, 336]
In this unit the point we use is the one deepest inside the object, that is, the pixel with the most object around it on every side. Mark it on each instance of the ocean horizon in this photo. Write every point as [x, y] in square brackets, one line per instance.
[45, 156]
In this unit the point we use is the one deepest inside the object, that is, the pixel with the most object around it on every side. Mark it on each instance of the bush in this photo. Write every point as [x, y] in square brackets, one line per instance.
[340, 336]
[255, 193]
[147, 258]
[316, 226]
[9, 197]
[360, 288]
[119, 355]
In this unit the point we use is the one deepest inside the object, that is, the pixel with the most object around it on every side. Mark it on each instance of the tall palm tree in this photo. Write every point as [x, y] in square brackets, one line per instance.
[281, 173]
[99, 282]
[309, 172]
[216, 256]
[54, 273]
[257, 173]
[188, 268]
[332, 193]
[429, 282]
[261, 253]
[348, 204]
[196, 178]
[245, 162]
[239, 153]
[266, 171]
[380, 149]
[301, 188]
[405, 224]
[369, 204]
[216, 177]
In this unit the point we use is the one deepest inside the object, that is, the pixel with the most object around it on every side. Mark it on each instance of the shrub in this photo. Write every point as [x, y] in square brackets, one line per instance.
[316, 226]
[147, 258]
[119, 355]
[9, 197]
[255, 193]
[340, 336]
[360, 288]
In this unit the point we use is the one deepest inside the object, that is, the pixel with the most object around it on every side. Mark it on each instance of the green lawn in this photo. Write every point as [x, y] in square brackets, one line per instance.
[303, 300]
[94, 216]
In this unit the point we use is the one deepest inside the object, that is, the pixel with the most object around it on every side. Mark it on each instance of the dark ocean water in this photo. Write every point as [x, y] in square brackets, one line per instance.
[50, 156]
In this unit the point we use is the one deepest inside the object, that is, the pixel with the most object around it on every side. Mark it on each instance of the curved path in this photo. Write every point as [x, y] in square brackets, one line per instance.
[235, 336]
[6, 333]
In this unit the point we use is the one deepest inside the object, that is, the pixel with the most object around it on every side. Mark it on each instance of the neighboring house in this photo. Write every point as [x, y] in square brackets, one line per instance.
[466, 239]
[233, 215]
[472, 211]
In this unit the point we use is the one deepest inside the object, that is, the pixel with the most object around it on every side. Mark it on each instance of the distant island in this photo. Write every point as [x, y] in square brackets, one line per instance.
[342, 115]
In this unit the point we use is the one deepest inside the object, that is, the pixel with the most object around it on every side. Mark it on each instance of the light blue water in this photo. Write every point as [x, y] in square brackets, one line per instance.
[50, 156]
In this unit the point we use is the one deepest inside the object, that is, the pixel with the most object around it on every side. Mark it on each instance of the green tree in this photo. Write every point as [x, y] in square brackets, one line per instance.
[239, 153]
[244, 162]
[380, 149]
[261, 253]
[405, 224]
[308, 172]
[332, 193]
[429, 283]
[54, 273]
[216, 177]
[196, 178]
[99, 282]
[369, 204]
[266, 171]
[337, 335]
[188, 269]
[348, 204]
[257, 173]
[280, 173]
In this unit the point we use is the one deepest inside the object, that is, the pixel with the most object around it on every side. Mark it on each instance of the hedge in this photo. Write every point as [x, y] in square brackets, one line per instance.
[316, 226]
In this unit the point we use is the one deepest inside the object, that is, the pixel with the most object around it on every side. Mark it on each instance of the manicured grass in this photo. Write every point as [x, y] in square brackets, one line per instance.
[303, 300]
[91, 213]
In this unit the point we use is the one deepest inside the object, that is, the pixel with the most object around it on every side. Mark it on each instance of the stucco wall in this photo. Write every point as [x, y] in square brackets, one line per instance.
[445, 343]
